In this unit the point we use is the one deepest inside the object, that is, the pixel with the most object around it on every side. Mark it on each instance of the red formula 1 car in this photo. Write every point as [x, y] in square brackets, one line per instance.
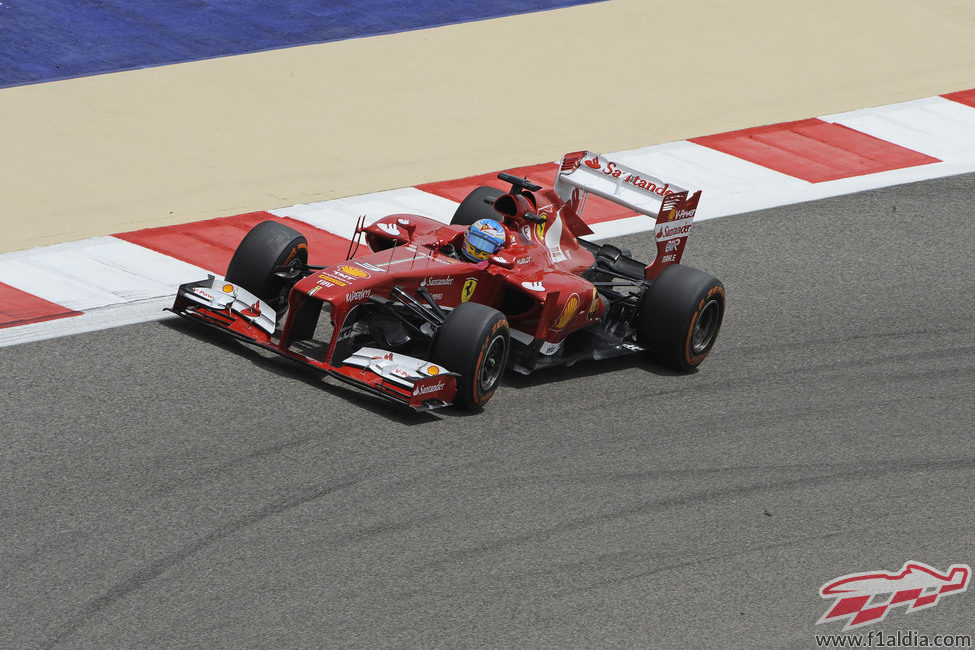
[416, 323]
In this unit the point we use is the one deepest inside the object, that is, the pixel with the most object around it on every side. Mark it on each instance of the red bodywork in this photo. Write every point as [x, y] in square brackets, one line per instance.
[534, 280]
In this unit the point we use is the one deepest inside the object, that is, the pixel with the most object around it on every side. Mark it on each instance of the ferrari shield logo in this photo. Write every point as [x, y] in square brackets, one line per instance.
[468, 290]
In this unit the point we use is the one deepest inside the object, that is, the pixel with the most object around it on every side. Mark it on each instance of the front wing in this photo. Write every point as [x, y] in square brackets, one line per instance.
[397, 377]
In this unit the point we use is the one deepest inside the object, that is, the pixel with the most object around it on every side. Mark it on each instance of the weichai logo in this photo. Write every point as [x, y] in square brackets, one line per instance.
[866, 598]
[362, 294]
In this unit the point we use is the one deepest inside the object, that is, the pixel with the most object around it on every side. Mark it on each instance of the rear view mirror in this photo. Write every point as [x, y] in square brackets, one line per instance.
[503, 262]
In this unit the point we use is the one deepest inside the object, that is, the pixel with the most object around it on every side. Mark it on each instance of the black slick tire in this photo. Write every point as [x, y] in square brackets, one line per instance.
[474, 207]
[268, 245]
[474, 342]
[679, 316]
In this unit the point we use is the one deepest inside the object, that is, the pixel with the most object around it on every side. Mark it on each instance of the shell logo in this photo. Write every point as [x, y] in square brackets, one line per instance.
[228, 288]
[568, 312]
[354, 271]
[433, 370]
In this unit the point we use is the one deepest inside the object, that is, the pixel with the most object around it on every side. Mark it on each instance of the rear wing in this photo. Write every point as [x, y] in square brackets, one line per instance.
[584, 172]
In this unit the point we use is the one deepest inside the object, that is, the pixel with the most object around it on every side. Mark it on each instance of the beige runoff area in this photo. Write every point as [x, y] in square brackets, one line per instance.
[179, 143]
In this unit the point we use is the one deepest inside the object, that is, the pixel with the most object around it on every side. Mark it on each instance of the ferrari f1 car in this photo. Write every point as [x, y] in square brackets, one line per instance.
[412, 321]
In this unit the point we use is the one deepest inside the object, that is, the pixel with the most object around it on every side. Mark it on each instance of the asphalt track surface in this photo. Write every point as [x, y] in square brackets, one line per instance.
[165, 487]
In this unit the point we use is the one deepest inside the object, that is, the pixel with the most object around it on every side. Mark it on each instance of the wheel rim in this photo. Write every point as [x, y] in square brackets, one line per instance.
[705, 327]
[492, 366]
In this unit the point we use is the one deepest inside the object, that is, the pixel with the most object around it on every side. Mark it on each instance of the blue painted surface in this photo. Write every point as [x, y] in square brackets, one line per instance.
[43, 40]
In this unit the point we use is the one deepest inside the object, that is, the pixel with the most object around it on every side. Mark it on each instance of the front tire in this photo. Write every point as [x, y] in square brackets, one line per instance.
[679, 316]
[474, 207]
[267, 246]
[474, 342]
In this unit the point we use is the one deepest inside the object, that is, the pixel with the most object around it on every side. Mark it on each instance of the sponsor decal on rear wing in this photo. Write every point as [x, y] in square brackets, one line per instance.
[585, 172]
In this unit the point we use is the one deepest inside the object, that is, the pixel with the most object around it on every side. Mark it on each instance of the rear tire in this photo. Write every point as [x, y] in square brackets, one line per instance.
[474, 207]
[679, 316]
[474, 342]
[268, 245]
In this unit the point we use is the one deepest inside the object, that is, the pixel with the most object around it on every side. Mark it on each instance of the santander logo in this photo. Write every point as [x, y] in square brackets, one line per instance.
[431, 388]
[594, 163]
[673, 229]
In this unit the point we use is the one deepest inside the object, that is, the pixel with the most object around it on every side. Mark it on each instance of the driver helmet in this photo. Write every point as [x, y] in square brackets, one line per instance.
[483, 239]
